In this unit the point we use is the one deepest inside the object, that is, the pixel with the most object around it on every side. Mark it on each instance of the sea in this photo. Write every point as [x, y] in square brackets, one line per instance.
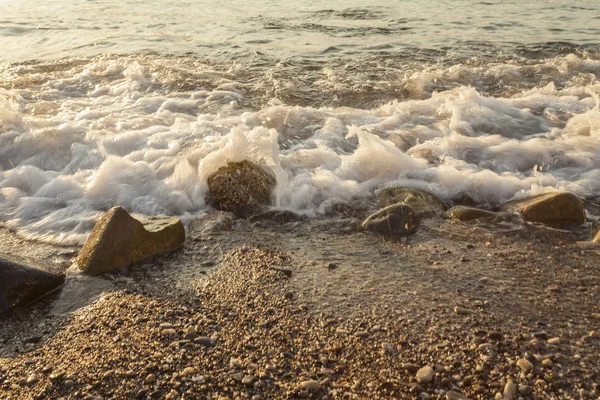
[135, 103]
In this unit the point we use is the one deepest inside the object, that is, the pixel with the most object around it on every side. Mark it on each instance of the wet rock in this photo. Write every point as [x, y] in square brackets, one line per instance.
[464, 213]
[119, 240]
[596, 231]
[395, 220]
[22, 283]
[241, 187]
[424, 204]
[278, 216]
[551, 208]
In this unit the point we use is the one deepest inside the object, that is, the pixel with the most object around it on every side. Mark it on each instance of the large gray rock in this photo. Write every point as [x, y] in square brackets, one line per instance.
[549, 208]
[21, 282]
[119, 240]
[395, 220]
[423, 204]
[242, 188]
[464, 213]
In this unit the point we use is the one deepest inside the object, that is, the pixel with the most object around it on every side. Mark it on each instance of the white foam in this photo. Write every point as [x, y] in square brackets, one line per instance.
[110, 135]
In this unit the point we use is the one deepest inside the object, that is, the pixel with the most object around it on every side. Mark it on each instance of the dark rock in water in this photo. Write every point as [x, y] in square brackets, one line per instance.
[119, 240]
[550, 208]
[279, 216]
[241, 187]
[22, 283]
[464, 213]
[423, 204]
[395, 220]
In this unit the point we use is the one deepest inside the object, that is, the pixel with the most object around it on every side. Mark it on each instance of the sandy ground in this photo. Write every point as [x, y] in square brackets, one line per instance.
[317, 309]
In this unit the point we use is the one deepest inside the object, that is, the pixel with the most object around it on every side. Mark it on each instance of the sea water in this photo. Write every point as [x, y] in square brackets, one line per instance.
[136, 103]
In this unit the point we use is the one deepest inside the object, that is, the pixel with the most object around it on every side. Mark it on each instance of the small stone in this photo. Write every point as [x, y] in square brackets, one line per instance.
[69, 383]
[554, 340]
[425, 374]
[310, 385]
[204, 341]
[525, 390]
[151, 378]
[411, 368]
[510, 390]
[238, 376]
[541, 382]
[497, 336]
[169, 332]
[452, 395]
[33, 378]
[362, 334]
[189, 371]
[547, 363]
[525, 365]
[387, 348]
[166, 325]
[257, 397]
[248, 380]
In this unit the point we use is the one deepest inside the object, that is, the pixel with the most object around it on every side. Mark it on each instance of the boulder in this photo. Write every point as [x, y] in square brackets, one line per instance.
[394, 220]
[464, 213]
[424, 204]
[21, 282]
[550, 208]
[118, 240]
[241, 188]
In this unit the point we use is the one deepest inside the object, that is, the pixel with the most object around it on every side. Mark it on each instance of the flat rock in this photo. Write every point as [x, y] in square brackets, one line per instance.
[424, 204]
[395, 220]
[242, 188]
[464, 213]
[21, 282]
[550, 208]
[118, 240]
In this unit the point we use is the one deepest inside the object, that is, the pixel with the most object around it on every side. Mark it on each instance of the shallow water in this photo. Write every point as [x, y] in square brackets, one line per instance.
[105, 103]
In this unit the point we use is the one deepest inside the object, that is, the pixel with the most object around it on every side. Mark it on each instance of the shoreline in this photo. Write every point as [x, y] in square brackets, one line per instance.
[357, 317]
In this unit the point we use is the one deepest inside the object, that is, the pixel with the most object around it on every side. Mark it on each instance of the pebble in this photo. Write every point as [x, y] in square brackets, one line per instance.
[204, 341]
[257, 397]
[150, 378]
[189, 371]
[410, 367]
[425, 374]
[525, 390]
[555, 340]
[166, 325]
[248, 380]
[510, 390]
[310, 385]
[387, 348]
[362, 334]
[169, 332]
[547, 363]
[525, 365]
[452, 395]
[32, 378]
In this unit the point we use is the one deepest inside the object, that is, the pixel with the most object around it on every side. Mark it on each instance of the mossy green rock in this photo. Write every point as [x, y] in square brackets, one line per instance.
[464, 213]
[242, 188]
[549, 208]
[118, 240]
[21, 282]
[423, 204]
[395, 220]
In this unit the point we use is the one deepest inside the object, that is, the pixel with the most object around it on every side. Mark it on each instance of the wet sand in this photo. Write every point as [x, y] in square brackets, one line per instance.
[318, 309]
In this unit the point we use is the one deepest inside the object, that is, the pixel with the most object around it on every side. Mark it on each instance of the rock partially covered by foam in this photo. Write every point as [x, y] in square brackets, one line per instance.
[549, 208]
[395, 220]
[241, 188]
[119, 240]
[464, 213]
[424, 204]
[22, 283]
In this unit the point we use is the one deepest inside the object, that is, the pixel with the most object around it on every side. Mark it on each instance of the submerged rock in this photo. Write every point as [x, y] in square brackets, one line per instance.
[395, 220]
[423, 204]
[22, 283]
[550, 208]
[119, 240]
[241, 187]
[464, 213]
